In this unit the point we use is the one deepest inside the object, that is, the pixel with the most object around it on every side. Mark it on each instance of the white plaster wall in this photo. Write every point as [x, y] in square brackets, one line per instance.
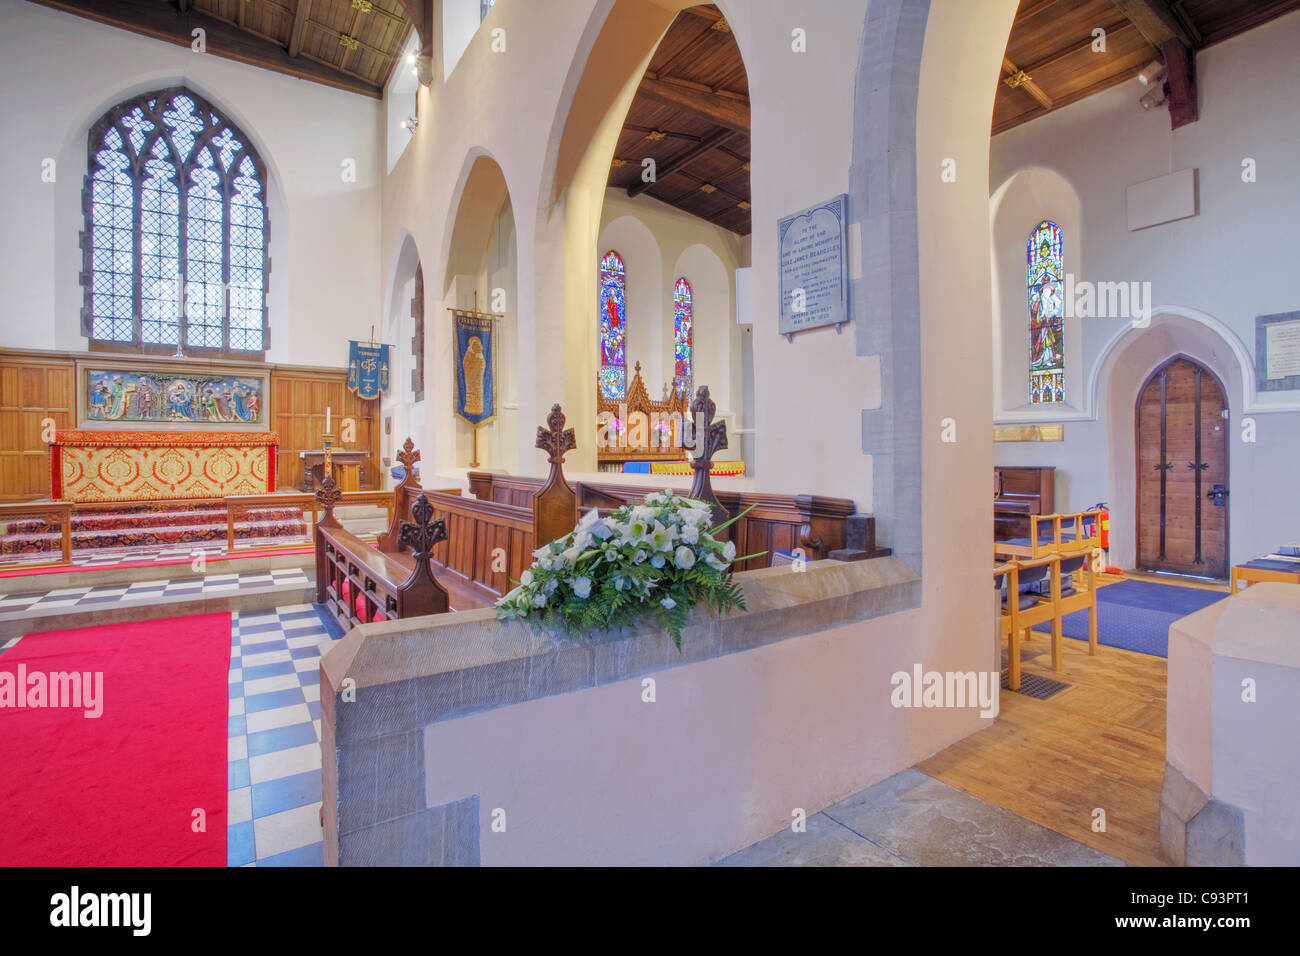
[325, 281]
[733, 742]
[797, 99]
[1218, 270]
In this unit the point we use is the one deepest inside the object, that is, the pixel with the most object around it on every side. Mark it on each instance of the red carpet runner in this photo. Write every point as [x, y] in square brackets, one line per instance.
[119, 789]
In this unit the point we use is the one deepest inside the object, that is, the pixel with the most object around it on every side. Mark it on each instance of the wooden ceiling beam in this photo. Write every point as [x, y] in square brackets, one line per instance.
[1028, 9]
[687, 50]
[300, 14]
[647, 130]
[682, 160]
[731, 111]
[1155, 21]
[1017, 79]
[1118, 29]
[1180, 82]
[419, 13]
[160, 21]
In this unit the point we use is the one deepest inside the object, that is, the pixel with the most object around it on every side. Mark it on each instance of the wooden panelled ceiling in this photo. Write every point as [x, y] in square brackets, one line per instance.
[691, 116]
[349, 44]
[1050, 59]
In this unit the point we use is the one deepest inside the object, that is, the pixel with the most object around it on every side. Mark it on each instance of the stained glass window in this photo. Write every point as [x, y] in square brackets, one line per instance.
[1046, 301]
[683, 338]
[612, 307]
[176, 225]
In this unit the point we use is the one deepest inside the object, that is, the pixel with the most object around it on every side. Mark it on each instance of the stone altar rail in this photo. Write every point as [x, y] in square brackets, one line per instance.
[431, 726]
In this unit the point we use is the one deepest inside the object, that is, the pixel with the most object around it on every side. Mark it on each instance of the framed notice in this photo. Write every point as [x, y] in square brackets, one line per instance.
[813, 246]
[1277, 352]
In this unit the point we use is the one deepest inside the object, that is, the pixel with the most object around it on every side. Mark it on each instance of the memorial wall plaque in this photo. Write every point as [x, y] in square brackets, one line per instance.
[1277, 351]
[813, 246]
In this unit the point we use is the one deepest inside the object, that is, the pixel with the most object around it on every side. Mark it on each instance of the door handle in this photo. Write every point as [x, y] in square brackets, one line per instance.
[1218, 494]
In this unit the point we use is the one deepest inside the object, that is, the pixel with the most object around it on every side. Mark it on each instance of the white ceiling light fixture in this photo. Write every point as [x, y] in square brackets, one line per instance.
[1153, 72]
[411, 124]
[1152, 98]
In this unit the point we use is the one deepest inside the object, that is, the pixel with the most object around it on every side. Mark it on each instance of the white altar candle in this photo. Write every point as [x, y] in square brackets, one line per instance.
[327, 420]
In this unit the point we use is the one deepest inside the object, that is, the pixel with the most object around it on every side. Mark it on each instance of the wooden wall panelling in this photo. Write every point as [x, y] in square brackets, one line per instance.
[31, 390]
[299, 400]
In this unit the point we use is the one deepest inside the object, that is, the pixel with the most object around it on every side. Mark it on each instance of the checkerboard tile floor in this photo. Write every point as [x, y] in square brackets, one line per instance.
[205, 586]
[274, 736]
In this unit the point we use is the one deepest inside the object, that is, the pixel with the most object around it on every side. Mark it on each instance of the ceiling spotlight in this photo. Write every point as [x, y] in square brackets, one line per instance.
[1153, 72]
[410, 124]
[410, 58]
[1153, 97]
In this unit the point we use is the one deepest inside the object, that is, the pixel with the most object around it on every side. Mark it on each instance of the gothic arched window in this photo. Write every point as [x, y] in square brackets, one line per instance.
[683, 338]
[175, 239]
[612, 377]
[1046, 315]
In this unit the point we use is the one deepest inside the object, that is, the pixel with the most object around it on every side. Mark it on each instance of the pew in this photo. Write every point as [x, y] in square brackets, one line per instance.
[360, 584]
[483, 548]
[1021, 610]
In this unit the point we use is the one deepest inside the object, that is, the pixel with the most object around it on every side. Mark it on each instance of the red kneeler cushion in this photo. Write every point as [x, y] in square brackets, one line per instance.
[358, 603]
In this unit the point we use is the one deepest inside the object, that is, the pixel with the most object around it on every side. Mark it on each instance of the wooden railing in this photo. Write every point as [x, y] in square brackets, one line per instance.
[239, 505]
[51, 512]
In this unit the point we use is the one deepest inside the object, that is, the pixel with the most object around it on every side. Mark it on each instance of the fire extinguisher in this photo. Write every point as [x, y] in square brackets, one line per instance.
[1103, 533]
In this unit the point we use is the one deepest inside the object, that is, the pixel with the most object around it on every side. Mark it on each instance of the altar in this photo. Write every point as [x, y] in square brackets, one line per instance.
[100, 465]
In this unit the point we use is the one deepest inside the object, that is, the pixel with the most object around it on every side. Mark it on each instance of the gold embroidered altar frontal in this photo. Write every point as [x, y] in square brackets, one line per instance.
[87, 465]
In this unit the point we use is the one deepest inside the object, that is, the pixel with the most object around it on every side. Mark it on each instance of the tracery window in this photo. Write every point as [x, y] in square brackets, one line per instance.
[176, 227]
[1046, 314]
[612, 377]
[683, 338]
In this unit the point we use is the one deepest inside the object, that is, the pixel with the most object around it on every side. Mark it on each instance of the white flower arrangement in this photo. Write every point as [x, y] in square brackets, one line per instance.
[659, 557]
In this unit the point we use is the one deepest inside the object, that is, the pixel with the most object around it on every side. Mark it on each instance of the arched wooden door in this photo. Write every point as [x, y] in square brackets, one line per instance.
[1182, 464]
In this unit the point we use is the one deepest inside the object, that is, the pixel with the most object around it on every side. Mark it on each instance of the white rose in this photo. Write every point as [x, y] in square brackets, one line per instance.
[526, 578]
[729, 551]
[582, 587]
[684, 558]
[668, 603]
[715, 562]
[658, 561]
[691, 533]
[539, 600]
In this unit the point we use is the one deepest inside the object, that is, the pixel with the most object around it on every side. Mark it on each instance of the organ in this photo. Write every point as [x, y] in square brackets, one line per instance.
[1018, 492]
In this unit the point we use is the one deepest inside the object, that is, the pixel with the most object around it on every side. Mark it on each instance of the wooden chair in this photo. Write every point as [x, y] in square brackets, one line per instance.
[1021, 610]
[1069, 534]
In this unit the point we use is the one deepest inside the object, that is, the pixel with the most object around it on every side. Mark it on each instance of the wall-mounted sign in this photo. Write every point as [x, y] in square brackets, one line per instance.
[1029, 432]
[813, 246]
[1277, 351]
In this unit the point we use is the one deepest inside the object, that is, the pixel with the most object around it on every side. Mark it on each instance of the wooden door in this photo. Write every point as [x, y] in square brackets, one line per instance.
[1182, 463]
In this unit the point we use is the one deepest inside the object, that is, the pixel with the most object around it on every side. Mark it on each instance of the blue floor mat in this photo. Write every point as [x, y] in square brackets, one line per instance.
[1135, 615]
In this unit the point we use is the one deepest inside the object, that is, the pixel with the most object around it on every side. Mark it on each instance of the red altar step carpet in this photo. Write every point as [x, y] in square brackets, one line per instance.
[151, 524]
[119, 789]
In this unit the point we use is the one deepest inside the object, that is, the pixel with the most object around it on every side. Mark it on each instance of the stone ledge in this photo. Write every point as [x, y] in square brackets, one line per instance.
[409, 674]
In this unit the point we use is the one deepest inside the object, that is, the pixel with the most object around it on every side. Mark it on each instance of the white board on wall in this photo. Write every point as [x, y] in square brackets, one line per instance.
[743, 317]
[1163, 199]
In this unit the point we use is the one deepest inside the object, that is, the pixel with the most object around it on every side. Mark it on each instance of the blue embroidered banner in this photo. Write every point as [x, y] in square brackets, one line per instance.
[476, 380]
[368, 369]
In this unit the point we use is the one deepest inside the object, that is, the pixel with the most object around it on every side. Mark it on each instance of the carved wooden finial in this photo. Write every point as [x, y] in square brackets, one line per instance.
[555, 439]
[423, 533]
[329, 494]
[409, 455]
[555, 506]
[710, 438]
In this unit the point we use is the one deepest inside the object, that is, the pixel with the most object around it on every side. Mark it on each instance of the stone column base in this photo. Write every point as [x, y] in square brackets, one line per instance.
[1196, 830]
